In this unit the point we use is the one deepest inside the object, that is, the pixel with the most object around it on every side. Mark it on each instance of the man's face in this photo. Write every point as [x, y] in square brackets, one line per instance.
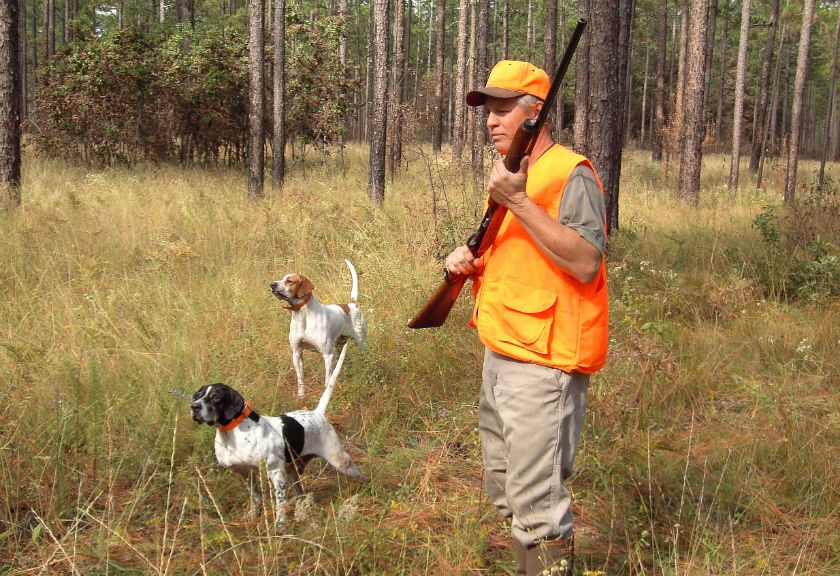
[504, 116]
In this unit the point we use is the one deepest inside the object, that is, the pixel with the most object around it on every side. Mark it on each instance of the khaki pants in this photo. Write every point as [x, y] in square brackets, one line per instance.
[529, 421]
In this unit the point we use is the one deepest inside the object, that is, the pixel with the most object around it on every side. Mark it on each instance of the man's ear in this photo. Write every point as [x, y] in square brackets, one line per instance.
[537, 107]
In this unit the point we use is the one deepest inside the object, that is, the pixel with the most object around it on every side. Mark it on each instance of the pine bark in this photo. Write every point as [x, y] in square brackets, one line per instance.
[830, 107]
[550, 47]
[458, 132]
[609, 38]
[440, 101]
[760, 128]
[397, 83]
[480, 28]
[378, 109]
[256, 89]
[659, 90]
[738, 111]
[278, 145]
[798, 92]
[722, 84]
[10, 87]
[582, 82]
[693, 132]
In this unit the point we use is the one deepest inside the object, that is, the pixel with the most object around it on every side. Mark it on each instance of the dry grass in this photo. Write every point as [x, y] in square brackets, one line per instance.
[711, 439]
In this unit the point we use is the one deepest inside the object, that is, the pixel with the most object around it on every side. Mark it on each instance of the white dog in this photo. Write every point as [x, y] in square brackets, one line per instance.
[286, 443]
[316, 326]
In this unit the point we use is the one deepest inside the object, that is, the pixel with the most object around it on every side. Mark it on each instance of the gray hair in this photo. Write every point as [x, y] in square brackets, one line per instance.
[527, 102]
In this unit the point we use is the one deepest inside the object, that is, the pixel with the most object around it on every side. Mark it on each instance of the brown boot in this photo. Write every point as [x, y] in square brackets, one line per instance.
[552, 558]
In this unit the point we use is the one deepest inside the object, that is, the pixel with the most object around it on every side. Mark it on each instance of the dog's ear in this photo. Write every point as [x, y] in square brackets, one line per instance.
[233, 405]
[305, 287]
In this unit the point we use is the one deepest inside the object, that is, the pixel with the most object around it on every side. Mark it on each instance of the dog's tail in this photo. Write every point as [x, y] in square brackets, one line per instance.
[331, 379]
[354, 291]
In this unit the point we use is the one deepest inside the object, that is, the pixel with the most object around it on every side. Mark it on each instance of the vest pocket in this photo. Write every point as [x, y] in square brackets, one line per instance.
[526, 314]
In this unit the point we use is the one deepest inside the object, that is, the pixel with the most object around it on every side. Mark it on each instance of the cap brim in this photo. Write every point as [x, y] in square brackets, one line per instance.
[479, 97]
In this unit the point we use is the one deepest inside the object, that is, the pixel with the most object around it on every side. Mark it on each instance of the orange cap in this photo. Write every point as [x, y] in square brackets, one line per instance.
[510, 78]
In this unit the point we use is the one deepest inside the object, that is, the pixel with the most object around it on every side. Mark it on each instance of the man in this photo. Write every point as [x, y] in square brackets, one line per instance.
[541, 312]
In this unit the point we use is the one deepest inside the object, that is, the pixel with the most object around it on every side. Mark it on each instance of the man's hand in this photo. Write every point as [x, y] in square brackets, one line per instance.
[461, 262]
[508, 188]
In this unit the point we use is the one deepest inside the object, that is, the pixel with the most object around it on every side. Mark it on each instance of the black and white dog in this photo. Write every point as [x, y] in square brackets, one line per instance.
[285, 443]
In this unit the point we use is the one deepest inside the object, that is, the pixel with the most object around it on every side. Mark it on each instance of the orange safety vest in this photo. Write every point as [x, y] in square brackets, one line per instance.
[527, 307]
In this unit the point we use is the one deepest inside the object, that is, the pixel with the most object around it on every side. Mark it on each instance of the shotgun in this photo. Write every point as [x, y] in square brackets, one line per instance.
[437, 308]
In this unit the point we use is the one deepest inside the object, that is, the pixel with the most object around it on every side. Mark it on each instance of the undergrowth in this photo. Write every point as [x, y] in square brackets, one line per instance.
[711, 436]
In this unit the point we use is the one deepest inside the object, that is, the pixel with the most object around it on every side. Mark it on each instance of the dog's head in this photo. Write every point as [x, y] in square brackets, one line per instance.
[292, 287]
[216, 405]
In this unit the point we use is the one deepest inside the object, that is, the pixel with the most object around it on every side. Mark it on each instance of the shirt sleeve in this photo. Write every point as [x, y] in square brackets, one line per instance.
[582, 207]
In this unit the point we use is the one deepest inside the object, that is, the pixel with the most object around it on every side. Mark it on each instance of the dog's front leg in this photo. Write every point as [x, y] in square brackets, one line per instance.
[297, 361]
[278, 479]
[255, 508]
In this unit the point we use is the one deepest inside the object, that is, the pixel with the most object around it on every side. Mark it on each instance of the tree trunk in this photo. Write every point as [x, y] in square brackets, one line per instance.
[675, 130]
[768, 142]
[481, 72]
[342, 43]
[505, 29]
[659, 90]
[458, 136]
[710, 46]
[608, 39]
[10, 88]
[582, 83]
[798, 91]
[550, 38]
[550, 47]
[45, 31]
[628, 75]
[738, 113]
[397, 82]
[830, 107]
[760, 127]
[529, 32]
[186, 15]
[440, 102]
[22, 49]
[186, 12]
[644, 95]
[722, 87]
[472, 114]
[278, 145]
[378, 109]
[691, 151]
[256, 89]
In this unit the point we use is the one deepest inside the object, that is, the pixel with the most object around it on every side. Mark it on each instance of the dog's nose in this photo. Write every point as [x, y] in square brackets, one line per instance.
[273, 286]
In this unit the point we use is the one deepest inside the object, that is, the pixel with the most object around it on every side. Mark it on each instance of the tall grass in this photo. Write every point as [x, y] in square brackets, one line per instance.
[712, 434]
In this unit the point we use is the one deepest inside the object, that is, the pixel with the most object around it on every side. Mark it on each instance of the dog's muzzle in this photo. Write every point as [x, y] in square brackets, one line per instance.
[199, 414]
[196, 413]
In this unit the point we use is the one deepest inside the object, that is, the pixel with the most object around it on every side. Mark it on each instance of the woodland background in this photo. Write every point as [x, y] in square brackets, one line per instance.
[140, 239]
[196, 81]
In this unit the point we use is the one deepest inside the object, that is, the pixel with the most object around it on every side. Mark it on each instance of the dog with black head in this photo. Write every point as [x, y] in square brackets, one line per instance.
[284, 443]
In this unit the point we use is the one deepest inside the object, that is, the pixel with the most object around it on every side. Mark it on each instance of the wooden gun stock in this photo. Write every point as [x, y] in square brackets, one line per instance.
[433, 314]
